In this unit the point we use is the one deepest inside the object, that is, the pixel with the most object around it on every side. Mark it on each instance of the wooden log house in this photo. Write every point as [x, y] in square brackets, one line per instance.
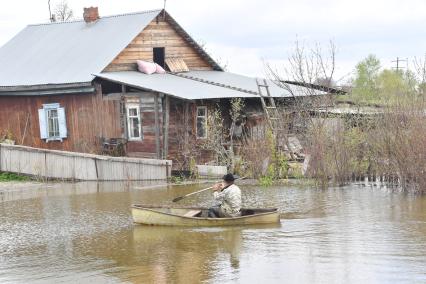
[74, 86]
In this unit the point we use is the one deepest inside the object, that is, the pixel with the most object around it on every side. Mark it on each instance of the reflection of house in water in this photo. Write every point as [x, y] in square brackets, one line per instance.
[168, 254]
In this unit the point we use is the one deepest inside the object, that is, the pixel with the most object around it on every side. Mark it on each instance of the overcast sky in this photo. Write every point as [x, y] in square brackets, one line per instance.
[245, 32]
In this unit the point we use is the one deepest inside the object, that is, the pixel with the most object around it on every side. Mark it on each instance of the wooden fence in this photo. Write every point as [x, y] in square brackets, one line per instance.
[53, 164]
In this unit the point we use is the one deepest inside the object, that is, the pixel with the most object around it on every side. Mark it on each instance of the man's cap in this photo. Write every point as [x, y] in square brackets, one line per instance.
[228, 177]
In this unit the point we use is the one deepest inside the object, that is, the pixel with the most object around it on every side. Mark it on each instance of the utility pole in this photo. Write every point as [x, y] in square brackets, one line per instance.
[398, 66]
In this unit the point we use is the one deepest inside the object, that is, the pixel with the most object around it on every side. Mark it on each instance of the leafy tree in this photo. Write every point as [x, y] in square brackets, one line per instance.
[395, 85]
[365, 84]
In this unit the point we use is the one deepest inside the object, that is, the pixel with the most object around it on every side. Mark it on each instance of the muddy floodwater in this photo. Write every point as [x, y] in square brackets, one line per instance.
[83, 233]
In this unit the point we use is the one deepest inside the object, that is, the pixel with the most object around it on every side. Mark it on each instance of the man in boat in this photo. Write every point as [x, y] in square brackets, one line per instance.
[227, 197]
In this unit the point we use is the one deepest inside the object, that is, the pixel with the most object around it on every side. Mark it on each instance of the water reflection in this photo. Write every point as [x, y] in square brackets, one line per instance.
[80, 233]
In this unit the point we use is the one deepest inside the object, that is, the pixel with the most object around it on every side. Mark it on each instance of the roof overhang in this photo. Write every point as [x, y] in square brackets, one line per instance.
[173, 85]
[200, 85]
[49, 89]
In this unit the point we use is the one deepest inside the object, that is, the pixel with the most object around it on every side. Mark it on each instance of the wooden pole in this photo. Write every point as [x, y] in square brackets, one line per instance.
[124, 111]
[157, 127]
[25, 129]
[186, 119]
[166, 127]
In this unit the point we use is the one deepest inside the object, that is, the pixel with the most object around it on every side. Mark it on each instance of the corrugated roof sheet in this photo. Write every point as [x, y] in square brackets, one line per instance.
[70, 52]
[199, 85]
[247, 84]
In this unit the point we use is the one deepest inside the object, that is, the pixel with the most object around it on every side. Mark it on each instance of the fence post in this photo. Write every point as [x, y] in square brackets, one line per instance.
[96, 168]
[167, 170]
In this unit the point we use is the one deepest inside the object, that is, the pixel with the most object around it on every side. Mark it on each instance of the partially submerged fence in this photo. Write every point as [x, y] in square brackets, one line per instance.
[79, 166]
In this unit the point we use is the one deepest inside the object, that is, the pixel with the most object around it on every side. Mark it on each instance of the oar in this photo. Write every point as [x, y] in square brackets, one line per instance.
[193, 193]
[189, 194]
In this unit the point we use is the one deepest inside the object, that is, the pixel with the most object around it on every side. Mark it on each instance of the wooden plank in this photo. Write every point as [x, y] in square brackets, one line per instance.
[176, 64]
[78, 166]
[192, 213]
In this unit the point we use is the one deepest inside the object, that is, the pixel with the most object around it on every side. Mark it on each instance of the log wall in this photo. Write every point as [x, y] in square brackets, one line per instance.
[147, 146]
[182, 133]
[88, 117]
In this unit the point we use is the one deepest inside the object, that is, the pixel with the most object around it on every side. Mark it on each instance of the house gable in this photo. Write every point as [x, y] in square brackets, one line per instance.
[168, 34]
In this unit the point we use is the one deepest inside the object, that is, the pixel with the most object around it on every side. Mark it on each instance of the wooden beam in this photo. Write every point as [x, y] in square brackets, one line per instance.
[135, 94]
[59, 87]
[166, 126]
[123, 112]
[186, 121]
[157, 127]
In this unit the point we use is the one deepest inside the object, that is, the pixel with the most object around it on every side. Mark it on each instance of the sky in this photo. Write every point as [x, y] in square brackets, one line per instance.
[243, 34]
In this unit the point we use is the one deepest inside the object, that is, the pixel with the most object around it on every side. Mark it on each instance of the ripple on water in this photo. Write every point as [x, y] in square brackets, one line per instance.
[351, 234]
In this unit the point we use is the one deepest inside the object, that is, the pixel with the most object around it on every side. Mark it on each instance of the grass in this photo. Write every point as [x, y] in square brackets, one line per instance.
[12, 177]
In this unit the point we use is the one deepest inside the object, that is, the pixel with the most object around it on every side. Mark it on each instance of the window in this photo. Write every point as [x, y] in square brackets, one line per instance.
[134, 122]
[159, 56]
[202, 122]
[53, 124]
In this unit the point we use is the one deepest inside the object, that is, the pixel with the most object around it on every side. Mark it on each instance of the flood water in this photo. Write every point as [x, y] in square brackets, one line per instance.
[83, 233]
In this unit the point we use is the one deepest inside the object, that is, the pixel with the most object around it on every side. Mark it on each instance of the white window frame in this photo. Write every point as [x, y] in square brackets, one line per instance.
[60, 122]
[138, 116]
[205, 122]
[55, 124]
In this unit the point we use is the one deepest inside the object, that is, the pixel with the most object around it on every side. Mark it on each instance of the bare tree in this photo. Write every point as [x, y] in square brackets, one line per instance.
[221, 137]
[63, 12]
[420, 71]
[307, 115]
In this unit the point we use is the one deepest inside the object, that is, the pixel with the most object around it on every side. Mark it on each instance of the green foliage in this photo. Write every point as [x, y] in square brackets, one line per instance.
[6, 135]
[237, 105]
[278, 166]
[268, 179]
[373, 86]
[177, 179]
[193, 168]
[12, 177]
[365, 83]
[395, 85]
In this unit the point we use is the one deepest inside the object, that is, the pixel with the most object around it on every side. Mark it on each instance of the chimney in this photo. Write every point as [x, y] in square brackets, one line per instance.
[91, 14]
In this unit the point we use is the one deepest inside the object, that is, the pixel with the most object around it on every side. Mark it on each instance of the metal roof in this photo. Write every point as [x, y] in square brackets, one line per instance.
[248, 84]
[199, 85]
[61, 53]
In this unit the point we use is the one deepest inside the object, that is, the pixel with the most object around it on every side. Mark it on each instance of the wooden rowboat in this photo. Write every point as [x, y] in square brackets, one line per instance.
[197, 217]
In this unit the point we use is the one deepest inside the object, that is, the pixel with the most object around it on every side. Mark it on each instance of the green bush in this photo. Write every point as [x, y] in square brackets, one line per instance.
[12, 177]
